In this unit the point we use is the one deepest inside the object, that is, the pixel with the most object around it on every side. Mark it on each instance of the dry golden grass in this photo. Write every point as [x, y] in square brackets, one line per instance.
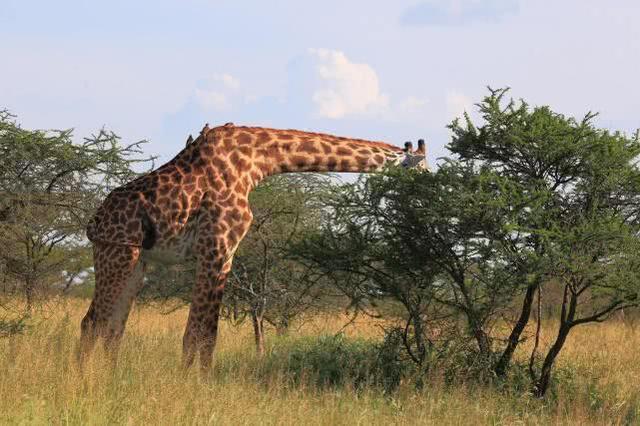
[40, 384]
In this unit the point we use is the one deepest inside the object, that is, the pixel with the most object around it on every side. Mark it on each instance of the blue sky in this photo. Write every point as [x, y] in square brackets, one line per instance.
[386, 70]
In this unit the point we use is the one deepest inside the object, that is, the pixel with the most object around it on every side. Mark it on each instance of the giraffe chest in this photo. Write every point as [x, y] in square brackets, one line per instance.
[175, 249]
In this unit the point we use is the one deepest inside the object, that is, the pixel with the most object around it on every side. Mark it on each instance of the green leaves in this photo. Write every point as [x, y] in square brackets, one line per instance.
[49, 188]
[530, 198]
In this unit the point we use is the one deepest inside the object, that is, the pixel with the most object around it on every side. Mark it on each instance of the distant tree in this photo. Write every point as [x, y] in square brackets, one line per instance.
[265, 283]
[49, 187]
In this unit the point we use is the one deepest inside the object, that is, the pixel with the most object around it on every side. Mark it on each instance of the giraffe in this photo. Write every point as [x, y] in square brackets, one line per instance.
[196, 206]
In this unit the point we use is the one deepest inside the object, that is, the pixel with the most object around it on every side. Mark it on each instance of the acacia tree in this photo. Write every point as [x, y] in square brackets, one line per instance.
[581, 220]
[265, 283]
[49, 187]
[431, 242]
[529, 198]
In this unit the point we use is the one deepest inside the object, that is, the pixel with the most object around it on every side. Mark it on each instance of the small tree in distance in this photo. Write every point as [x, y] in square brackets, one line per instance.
[265, 283]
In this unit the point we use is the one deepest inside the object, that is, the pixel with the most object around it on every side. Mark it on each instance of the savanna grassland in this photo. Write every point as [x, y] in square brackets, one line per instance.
[597, 380]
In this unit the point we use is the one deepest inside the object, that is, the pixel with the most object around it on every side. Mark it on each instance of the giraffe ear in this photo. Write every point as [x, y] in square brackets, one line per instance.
[189, 140]
[408, 146]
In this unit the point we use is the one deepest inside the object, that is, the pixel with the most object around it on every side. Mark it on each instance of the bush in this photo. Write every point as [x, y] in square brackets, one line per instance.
[332, 360]
[392, 363]
[336, 361]
[10, 327]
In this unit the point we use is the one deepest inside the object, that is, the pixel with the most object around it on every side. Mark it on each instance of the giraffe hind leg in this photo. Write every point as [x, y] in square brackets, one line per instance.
[88, 334]
[119, 276]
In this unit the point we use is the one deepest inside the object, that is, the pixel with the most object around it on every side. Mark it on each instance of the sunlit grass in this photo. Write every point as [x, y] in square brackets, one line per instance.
[40, 384]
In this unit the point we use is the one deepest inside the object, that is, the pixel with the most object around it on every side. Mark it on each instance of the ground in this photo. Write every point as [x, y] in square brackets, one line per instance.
[40, 383]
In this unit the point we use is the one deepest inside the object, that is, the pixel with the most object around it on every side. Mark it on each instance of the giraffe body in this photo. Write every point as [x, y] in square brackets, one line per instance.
[196, 206]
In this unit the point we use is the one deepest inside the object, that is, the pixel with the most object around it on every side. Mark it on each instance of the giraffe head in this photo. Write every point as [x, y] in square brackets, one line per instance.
[413, 159]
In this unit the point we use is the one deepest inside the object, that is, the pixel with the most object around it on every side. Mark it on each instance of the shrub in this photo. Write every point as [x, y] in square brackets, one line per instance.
[337, 361]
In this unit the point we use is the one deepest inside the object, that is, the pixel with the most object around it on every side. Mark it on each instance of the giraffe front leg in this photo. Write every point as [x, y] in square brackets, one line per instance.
[202, 325]
[220, 230]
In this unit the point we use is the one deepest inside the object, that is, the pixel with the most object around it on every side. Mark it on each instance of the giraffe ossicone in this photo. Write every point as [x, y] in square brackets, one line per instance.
[196, 206]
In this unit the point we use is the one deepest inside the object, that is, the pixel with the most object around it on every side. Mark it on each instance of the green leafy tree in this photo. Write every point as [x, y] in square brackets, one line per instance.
[582, 187]
[528, 200]
[49, 188]
[432, 243]
[265, 283]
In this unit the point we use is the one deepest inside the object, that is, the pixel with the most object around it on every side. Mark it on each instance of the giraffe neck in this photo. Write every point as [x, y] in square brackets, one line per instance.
[259, 152]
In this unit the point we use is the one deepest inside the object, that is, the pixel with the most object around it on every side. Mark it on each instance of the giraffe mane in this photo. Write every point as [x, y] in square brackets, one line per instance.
[297, 132]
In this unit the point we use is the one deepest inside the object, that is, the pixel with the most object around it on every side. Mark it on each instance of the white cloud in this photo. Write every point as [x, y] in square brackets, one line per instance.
[347, 88]
[209, 99]
[457, 104]
[412, 105]
[228, 81]
[217, 92]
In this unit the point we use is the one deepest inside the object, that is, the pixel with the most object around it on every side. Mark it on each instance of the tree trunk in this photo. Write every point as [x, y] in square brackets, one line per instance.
[419, 337]
[258, 330]
[282, 327]
[29, 293]
[503, 363]
[567, 315]
[542, 385]
[474, 323]
[484, 344]
[236, 311]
